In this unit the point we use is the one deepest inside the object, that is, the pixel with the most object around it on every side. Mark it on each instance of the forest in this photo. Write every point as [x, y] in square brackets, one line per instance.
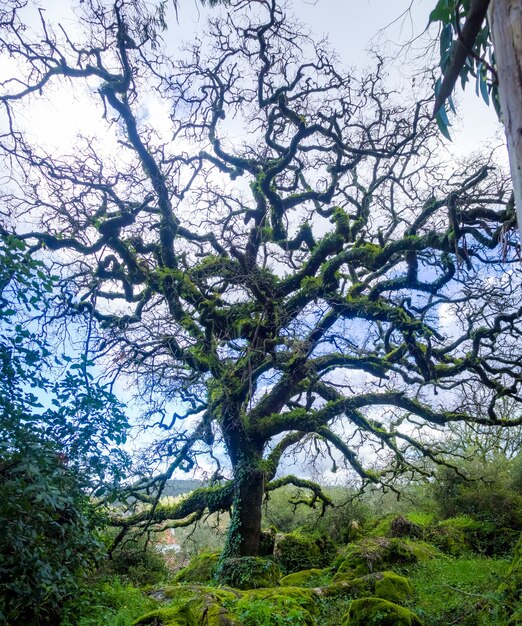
[260, 324]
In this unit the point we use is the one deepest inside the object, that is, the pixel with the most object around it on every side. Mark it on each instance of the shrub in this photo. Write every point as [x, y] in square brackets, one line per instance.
[47, 542]
[138, 561]
[486, 497]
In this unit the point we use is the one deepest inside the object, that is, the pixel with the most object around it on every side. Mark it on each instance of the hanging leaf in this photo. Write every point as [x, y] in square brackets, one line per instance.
[442, 122]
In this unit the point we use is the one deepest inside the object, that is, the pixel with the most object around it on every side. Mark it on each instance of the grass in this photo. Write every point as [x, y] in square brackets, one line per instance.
[111, 603]
[458, 591]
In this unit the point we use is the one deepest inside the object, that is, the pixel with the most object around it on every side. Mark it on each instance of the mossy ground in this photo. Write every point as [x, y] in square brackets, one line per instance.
[427, 584]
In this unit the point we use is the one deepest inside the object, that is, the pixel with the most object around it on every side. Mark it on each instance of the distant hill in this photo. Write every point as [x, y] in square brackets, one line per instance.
[177, 487]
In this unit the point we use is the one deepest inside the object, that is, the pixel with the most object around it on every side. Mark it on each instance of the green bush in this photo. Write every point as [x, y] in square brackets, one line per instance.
[336, 521]
[137, 561]
[486, 496]
[47, 542]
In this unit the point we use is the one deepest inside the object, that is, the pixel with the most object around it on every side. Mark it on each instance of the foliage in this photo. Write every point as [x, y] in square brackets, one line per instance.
[47, 541]
[480, 491]
[136, 560]
[281, 511]
[277, 607]
[107, 601]
[476, 49]
[56, 439]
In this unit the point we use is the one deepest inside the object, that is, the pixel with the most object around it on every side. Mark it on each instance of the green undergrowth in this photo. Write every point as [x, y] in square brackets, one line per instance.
[458, 591]
[111, 603]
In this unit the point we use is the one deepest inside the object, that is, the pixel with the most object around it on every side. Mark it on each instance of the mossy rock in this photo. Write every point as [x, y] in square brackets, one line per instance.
[303, 578]
[390, 586]
[273, 606]
[402, 527]
[379, 612]
[249, 572]
[376, 554]
[191, 603]
[294, 552]
[385, 585]
[201, 569]
[184, 593]
[172, 616]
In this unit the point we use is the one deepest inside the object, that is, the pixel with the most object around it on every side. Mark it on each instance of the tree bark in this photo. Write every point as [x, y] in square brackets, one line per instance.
[245, 523]
[505, 20]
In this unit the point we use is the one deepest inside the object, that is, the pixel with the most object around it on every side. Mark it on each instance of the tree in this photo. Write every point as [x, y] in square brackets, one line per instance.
[275, 269]
[57, 437]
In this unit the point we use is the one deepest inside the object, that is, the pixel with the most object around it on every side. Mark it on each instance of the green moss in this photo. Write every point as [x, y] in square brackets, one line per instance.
[172, 616]
[184, 593]
[376, 611]
[275, 607]
[190, 604]
[375, 554]
[302, 578]
[295, 552]
[201, 569]
[392, 587]
[385, 585]
[249, 572]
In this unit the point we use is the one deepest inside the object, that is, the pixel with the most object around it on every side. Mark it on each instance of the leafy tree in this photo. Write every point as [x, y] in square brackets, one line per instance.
[281, 263]
[56, 446]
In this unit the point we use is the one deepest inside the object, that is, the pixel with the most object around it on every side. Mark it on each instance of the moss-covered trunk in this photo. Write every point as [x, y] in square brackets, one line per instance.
[245, 523]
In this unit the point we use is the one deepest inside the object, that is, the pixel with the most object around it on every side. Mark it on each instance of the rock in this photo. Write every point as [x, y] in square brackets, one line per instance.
[390, 586]
[200, 569]
[295, 552]
[402, 527]
[298, 579]
[377, 554]
[192, 604]
[385, 585]
[379, 612]
[249, 572]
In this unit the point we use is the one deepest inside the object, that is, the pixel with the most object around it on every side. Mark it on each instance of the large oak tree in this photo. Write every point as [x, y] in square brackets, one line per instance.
[281, 262]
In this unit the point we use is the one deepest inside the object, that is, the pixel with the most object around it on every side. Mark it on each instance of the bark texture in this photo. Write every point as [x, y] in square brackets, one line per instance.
[505, 19]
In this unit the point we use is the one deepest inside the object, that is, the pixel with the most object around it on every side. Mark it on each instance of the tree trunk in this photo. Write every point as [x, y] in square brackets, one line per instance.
[245, 523]
[505, 20]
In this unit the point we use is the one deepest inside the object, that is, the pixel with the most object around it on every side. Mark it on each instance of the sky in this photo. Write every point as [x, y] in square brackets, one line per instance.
[354, 28]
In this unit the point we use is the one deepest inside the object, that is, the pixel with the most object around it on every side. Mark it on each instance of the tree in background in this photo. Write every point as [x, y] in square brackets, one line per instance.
[281, 262]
